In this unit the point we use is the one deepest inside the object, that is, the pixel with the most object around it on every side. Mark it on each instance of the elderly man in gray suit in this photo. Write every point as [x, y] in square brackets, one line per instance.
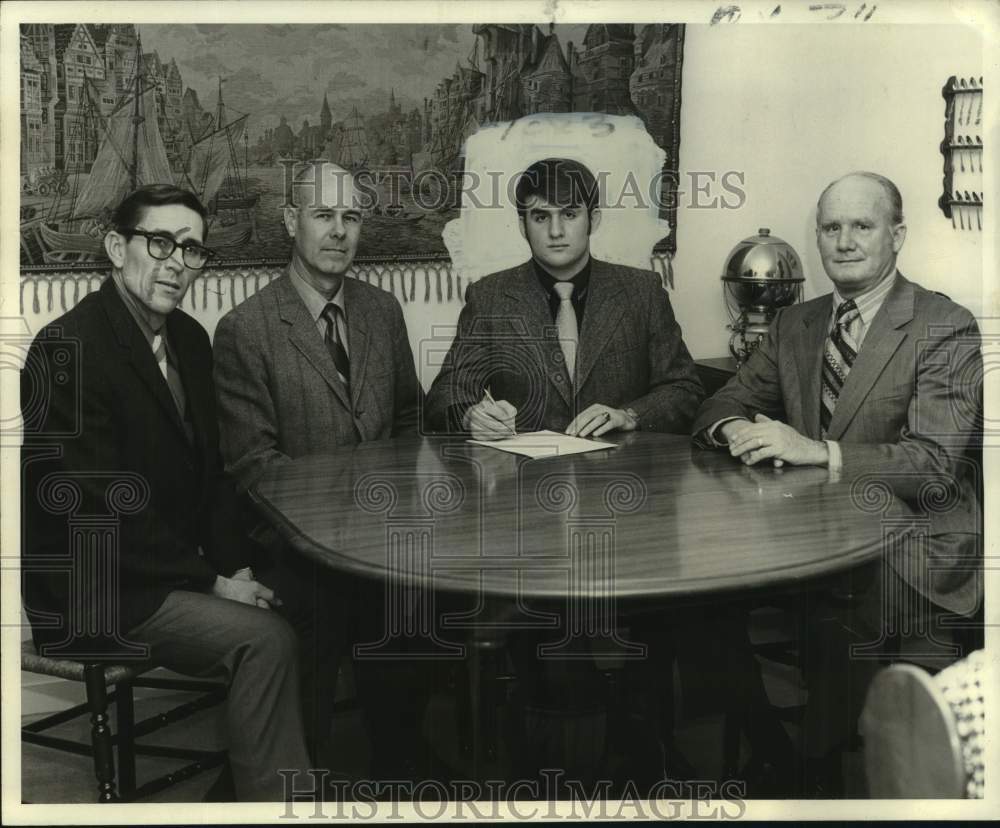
[316, 363]
[879, 380]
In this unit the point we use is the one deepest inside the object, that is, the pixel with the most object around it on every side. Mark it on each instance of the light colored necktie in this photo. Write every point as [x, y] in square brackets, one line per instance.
[841, 351]
[169, 372]
[569, 336]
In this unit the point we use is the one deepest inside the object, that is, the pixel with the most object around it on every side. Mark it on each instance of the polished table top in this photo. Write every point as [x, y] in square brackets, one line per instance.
[653, 516]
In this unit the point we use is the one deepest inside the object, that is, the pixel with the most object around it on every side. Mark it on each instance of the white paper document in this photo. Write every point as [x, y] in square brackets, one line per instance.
[537, 444]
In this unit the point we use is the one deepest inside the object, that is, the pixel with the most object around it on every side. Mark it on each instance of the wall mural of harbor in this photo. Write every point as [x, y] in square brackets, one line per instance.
[227, 110]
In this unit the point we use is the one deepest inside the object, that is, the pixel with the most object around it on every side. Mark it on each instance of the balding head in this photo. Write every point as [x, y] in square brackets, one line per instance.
[894, 200]
[324, 183]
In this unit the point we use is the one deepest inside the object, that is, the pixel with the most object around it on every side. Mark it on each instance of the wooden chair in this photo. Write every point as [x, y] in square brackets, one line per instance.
[98, 677]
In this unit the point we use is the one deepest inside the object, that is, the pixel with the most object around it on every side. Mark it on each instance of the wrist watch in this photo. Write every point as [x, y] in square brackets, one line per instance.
[635, 417]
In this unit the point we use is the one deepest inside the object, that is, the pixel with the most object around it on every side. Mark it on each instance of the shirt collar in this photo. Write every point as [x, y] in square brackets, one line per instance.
[868, 303]
[579, 282]
[142, 316]
[314, 300]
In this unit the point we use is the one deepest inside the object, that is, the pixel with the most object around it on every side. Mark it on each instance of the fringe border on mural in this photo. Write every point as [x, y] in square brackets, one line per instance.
[427, 282]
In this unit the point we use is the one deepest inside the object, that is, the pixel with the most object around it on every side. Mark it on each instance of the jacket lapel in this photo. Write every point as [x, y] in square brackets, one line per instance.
[808, 345]
[360, 318]
[604, 310]
[531, 306]
[196, 392]
[303, 335]
[881, 342]
[140, 356]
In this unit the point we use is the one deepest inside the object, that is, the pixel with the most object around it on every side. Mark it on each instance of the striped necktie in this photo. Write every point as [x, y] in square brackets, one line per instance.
[569, 336]
[169, 371]
[333, 343]
[841, 351]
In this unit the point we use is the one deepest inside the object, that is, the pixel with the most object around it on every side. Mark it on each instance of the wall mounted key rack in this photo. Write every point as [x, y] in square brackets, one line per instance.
[962, 148]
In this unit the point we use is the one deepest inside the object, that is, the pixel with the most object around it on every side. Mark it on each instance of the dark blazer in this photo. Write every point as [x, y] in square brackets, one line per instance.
[106, 413]
[630, 353]
[908, 413]
[278, 390]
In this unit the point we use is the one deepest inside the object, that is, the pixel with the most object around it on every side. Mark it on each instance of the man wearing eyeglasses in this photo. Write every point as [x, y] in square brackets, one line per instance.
[129, 425]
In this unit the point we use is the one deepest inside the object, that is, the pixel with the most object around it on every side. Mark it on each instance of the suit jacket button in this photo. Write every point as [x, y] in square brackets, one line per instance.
[358, 412]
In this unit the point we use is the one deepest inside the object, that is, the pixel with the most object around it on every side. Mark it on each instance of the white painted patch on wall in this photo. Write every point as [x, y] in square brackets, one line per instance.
[618, 150]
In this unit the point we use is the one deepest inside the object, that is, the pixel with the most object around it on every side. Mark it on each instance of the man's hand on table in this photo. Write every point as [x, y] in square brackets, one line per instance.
[765, 439]
[598, 419]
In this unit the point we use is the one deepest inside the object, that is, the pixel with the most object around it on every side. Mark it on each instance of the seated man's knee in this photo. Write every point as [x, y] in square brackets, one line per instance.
[272, 637]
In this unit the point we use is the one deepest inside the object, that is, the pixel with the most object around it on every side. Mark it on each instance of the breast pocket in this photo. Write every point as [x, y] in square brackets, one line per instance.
[885, 414]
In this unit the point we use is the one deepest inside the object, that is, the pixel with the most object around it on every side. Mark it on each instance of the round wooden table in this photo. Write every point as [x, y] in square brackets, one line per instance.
[649, 521]
[651, 517]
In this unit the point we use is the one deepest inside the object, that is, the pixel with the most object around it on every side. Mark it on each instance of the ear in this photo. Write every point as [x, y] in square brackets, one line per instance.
[898, 237]
[521, 227]
[595, 220]
[291, 215]
[114, 245]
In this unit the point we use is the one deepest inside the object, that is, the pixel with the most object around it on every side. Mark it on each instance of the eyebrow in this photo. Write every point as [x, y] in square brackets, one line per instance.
[555, 208]
[172, 233]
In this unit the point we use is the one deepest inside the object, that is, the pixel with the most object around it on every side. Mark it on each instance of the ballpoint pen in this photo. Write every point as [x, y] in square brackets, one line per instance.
[489, 398]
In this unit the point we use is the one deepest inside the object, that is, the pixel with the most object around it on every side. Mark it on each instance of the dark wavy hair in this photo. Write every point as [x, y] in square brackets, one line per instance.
[562, 182]
[129, 214]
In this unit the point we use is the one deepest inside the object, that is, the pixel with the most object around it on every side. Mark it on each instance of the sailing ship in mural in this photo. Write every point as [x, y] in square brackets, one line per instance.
[132, 153]
[212, 171]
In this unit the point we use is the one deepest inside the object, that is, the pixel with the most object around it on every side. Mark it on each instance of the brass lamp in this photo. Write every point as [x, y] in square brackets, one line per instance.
[762, 274]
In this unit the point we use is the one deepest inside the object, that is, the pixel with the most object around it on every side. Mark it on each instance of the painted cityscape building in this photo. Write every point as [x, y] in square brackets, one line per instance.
[513, 70]
[74, 74]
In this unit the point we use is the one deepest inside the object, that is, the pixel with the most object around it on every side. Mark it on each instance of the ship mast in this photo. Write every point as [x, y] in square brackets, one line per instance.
[137, 118]
[220, 108]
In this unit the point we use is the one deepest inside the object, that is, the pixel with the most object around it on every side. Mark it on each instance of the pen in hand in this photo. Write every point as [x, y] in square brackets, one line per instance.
[488, 397]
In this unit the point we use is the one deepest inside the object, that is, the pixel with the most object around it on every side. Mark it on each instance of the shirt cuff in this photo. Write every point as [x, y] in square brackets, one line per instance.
[710, 432]
[835, 465]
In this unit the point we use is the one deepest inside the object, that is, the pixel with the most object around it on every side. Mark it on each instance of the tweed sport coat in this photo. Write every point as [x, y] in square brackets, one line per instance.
[278, 390]
[109, 416]
[908, 415]
[630, 353]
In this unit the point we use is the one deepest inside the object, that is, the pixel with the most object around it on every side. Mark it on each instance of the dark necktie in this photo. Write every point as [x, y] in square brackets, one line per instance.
[169, 371]
[841, 351]
[333, 343]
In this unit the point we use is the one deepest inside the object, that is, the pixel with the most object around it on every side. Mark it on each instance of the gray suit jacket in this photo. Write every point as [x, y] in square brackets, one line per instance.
[909, 414]
[278, 390]
[630, 353]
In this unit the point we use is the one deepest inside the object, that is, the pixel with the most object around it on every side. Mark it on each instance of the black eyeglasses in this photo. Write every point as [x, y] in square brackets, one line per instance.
[161, 246]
